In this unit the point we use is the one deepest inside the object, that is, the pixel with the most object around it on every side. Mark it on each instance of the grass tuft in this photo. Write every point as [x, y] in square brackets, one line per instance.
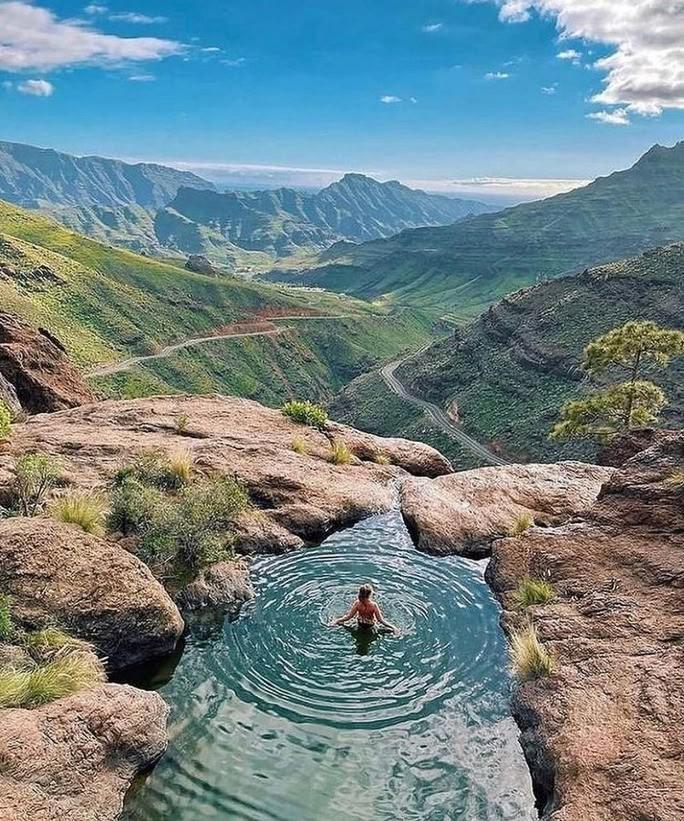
[299, 446]
[531, 660]
[86, 510]
[5, 421]
[380, 458]
[64, 675]
[533, 591]
[340, 454]
[182, 422]
[36, 475]
[156, 469]
[521, 524]
[6, 623]
[51, 640]
[675, 479]
[305, 413]
[181, 465]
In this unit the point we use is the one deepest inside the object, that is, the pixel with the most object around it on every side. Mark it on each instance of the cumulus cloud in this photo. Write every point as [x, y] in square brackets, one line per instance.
[570, 54]
[644, 72]
[388, 99]
[33, 38]
[36, 88]
[431, 28]
[618, 116]
[497, 75]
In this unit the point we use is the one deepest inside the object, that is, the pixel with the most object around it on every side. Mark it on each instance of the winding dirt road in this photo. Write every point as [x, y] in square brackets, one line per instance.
[435, 413]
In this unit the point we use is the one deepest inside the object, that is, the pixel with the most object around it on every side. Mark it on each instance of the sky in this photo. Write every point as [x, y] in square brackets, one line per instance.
[499, 98]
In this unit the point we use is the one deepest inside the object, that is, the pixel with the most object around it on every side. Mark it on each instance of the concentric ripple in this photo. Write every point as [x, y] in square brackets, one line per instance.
[276, 716]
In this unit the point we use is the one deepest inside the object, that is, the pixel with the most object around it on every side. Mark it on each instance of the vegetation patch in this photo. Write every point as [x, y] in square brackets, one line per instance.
[340, 453]
[5, 421]
[156, 469]
[36, 474]
[530, 659]
[676, 479]
[66, 674]
[299, 445]
[6, 622]
[305, 413]
[533, 591]
[85, 510]
[520, 525]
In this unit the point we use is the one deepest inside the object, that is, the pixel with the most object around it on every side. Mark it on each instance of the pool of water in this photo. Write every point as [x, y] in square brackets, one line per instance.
[277, 717]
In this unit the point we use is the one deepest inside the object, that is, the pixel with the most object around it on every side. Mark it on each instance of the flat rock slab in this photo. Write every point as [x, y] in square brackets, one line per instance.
[76, 758]
[57, 574]
[299, 498]
[463, 513]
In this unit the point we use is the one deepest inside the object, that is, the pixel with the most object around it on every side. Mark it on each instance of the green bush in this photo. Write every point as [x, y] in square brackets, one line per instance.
[155, 468]
[5, 421]
[340, 454]
[521, 524]
[133, 505]
[531, 660]
[533, 591]
[86, 510]
[305, 413]
[65, 674]
[36, 475]
[6, 623]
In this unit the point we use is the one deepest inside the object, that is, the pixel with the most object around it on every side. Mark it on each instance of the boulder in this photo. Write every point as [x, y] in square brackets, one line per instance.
[199, 264]
[465, 512]
[224, 585]
[298, 497]
[76, 758]
[35, 367]
[603, 734]
[57, 574]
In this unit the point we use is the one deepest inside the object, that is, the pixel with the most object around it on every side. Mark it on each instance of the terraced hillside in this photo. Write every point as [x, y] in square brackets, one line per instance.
[107, 305]
[462, 268]
[506, 375]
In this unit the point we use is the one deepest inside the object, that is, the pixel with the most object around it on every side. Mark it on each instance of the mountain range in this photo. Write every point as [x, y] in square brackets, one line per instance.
[161, 211]
[464, 267]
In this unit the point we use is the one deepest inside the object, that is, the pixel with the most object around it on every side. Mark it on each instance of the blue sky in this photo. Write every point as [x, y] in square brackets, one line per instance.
[470, 89]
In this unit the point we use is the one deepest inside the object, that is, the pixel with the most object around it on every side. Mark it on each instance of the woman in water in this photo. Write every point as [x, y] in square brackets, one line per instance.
[367, 612]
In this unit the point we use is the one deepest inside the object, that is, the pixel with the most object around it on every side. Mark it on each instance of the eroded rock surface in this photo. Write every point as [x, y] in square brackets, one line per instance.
[465, 512]
[75, 758]
[223, 584]
[57, 574]
[35, 371]
[603, 734]
[300, 497]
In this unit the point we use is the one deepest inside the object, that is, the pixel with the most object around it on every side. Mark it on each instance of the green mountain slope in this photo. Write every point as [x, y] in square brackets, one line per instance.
[284, 221]
[464, 267]
[108, 305]
[507, 374]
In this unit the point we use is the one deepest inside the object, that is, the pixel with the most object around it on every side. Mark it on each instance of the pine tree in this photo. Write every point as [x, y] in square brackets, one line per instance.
[633, 403]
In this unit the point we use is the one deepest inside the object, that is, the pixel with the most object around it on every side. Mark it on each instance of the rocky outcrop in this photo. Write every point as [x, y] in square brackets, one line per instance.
[75, 758]
[465, 512]
[223, 584]
[603, 733]
[299, 497]
[199, 264]
[35, 371]
[57, 574]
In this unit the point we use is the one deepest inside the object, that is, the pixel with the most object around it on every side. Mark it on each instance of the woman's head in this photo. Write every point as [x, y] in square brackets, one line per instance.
[365, 592]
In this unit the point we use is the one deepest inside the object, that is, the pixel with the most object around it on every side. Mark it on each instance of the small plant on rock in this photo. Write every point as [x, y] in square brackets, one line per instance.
[531, 660]
[182, 422]
[5, 421]
[155, 468]
[340, 454]
[380, 458]
[36, 475]
[133, 506]
[49, 641]
[533, 591]
[6, 623]
[299, 445]
[181, 465]
[676, 479]
[306, 413]
[521, 524]
[67, 673]
[85, 510]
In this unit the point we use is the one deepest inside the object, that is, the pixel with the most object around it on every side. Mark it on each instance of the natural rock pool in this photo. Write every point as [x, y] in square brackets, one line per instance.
[275, 716]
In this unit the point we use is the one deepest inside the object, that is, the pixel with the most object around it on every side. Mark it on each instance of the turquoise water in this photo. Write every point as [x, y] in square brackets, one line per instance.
[276, 717]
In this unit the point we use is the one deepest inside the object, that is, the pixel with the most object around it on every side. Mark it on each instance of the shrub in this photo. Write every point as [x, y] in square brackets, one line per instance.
[154, 468]
[182, 422]
[64, 675]
[531, 660]
[306, 413]
[521, 524]
[5, 421]
[676, 479]
[6, 623]
[36, 475]
[340, 454]
[133, 504]
[533, 591]
[299, 445]
[86, 510]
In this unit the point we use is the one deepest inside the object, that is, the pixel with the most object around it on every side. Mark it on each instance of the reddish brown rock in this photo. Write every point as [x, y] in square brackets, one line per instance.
[603, 734]
[57, 574]
[223, 584]
[465, 512]
[75, 758]
[35, 370]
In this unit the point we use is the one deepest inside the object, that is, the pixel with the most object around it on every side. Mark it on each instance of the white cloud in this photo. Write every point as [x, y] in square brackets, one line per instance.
[34, 38]
[388, 99]
[618, 116]
[37, 88]
[550, 90]
[142, 78]
[135, 17]
[93, 9]
[644, 71]
[497, 75]
[431, 28]
[237, 61]
[570, 54]
[210, 49]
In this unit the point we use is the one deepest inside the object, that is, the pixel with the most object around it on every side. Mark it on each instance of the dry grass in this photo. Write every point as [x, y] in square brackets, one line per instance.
[676, 479]
[299, 446]
[530, 659]
[533, 591]
[181, 465]
[380, 458]
[67, 673]
[340, 454]
[51, 640]
[182, 422]
[86, 510]
[521, 524]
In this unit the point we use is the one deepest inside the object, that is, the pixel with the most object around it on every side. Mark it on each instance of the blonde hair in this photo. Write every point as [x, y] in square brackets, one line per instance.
[365, 591]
